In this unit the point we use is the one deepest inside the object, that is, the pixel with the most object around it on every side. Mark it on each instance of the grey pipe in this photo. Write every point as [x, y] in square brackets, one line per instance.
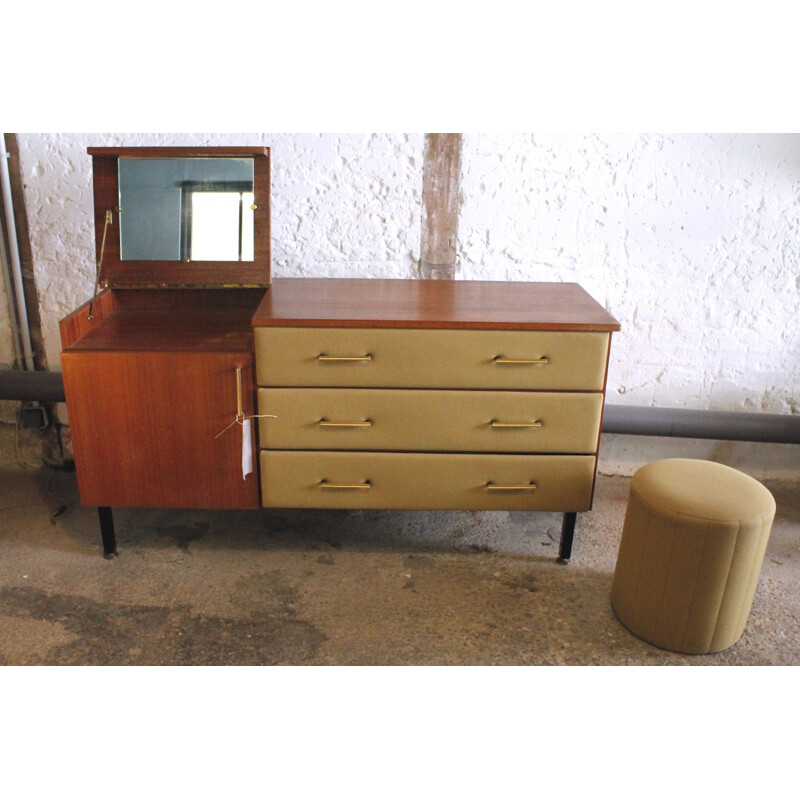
[12, 310]
[44, 387]
[690, 424]
[16, 267]
[48, 387]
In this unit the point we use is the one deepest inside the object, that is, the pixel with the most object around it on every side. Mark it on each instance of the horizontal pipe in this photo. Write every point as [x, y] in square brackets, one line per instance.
[44, 387]
[48, 387]
[691, 424]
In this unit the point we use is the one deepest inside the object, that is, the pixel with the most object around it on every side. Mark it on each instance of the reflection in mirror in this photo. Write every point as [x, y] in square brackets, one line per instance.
[186, 209]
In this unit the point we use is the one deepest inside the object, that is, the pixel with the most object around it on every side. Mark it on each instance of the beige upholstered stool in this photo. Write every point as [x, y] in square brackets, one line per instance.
[689, 560]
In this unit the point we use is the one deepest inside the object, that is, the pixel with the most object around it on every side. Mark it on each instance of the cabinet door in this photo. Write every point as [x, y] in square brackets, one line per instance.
[145, 428]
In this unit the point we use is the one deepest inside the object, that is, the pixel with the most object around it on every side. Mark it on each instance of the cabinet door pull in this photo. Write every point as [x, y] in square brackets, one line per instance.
[239, 407]
[510, 487]
[324, 423]
[324, 357]
[535, 424]
[503, 360]
[327, 485]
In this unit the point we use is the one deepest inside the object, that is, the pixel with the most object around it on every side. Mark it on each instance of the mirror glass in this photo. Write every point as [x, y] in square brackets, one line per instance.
[186, 209]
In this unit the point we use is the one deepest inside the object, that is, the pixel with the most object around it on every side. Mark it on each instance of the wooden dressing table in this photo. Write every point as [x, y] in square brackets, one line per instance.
[348, 393]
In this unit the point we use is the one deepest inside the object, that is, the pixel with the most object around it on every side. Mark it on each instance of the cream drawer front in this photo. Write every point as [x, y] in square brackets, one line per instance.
[291, 479]
[432, 420]
[454, 359]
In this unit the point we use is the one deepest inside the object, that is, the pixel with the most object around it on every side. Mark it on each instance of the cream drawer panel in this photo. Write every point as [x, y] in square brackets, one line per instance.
[291, 479]
[456, 359]
[438, 420]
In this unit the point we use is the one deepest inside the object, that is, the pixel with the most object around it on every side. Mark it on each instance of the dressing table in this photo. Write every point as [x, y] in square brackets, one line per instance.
[193, 380]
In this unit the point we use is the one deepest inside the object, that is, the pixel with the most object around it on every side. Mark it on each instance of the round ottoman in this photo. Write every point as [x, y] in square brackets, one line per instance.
[690, 556]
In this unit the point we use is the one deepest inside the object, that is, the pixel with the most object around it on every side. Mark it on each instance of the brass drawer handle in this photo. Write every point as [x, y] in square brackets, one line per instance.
[324, 423]
[323, 357]
[535, 424]
[326, 485]
[510, 487]
[502, 360]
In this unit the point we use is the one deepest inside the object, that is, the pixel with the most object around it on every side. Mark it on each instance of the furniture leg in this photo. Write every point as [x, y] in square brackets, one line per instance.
[107, 532]
[567, 534]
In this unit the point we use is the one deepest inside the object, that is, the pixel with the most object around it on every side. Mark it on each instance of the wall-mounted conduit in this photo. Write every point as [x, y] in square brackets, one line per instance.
[19, 315]
[690, 424]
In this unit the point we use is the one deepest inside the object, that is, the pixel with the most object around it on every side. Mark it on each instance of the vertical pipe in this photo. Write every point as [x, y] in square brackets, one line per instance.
[16, 267]
[12, 311]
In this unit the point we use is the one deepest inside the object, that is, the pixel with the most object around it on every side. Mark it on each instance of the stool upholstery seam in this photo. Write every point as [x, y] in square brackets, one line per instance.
[670, 512]
[693, 600]
[725, 590]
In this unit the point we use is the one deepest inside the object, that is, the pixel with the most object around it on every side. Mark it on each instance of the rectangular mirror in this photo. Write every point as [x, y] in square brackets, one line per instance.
[182, 216]
[186, 209]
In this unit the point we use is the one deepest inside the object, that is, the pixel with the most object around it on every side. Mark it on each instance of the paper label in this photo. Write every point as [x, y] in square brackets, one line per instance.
[247, 449]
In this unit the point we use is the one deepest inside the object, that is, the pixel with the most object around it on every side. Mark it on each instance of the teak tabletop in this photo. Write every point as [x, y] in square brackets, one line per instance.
[411, 303]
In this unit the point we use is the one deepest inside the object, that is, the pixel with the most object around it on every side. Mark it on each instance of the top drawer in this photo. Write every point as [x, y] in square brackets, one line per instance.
[413, 358]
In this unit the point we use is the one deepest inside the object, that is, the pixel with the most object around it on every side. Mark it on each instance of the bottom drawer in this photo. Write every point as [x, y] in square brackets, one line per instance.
[324, 479]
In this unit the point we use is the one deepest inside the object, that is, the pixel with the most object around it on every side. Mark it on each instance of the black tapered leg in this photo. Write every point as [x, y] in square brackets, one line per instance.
[107, 532]
[567, 534]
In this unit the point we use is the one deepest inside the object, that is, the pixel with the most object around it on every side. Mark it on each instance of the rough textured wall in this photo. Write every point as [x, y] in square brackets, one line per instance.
[691, 241]
[342, 205]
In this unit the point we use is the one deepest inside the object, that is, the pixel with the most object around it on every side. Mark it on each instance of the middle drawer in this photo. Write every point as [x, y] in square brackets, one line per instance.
[429, 420]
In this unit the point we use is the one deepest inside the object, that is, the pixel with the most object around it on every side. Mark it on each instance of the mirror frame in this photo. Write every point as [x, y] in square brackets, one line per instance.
[116, 273]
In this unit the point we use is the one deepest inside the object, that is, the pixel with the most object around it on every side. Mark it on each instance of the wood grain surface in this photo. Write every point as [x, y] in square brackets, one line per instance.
[118, 273]
[144, 428]
[160, 320]
[399, 303]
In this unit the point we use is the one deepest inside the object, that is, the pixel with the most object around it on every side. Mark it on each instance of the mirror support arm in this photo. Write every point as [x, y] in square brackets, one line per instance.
[109, 220]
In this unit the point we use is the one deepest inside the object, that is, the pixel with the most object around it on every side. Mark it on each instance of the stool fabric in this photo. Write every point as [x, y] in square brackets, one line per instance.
[690, 557]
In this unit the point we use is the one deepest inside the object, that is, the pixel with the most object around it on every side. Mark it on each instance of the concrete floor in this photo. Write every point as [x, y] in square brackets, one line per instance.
[336, 588]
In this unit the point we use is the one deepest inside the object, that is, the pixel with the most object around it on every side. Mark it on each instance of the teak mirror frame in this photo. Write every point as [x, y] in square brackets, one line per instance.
[117, 274]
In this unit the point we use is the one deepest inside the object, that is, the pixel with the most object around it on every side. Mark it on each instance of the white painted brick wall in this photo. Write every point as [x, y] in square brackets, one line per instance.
[691, 241]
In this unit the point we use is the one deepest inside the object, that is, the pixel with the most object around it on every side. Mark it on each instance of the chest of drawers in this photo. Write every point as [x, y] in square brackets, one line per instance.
[406, 394]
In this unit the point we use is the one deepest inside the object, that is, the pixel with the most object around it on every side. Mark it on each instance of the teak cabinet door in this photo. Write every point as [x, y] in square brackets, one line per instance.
[145, 428]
